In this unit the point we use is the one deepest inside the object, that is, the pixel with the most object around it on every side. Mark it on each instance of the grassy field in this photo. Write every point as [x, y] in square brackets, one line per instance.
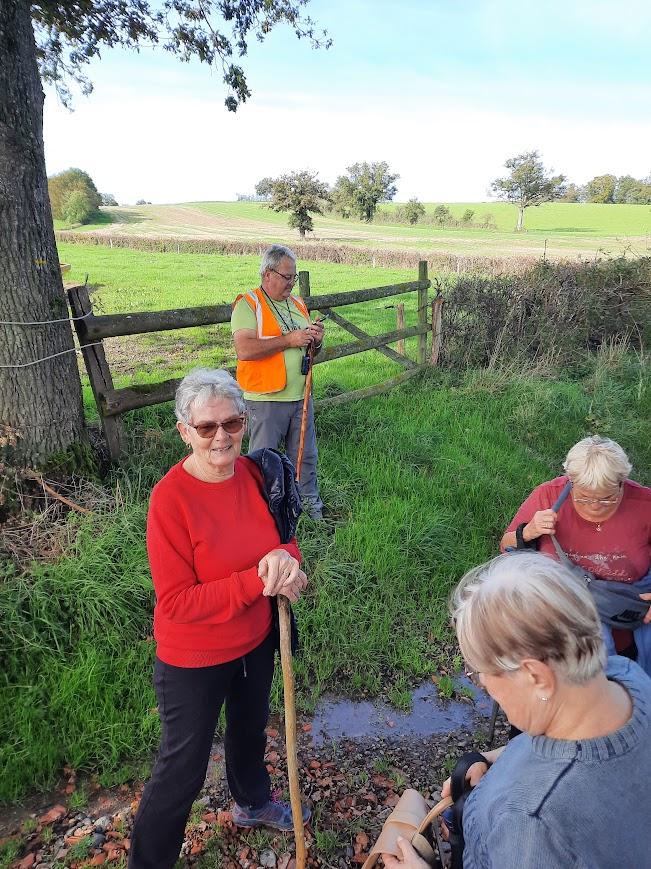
[127, 280]
[420, 482]
[562, 229]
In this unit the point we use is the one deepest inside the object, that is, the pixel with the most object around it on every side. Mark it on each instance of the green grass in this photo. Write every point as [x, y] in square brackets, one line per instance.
[422, 482]
[563, 217]
[8, 852]
[558, 228]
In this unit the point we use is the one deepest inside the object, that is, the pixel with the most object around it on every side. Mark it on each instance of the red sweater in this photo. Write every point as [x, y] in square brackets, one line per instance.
[204, 542]
[620, 551]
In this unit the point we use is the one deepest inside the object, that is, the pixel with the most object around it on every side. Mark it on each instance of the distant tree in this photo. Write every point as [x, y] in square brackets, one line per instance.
[299, 193]
[442, 215]
[365, 186]
[601, 189]
[62, 186]
[108, 199]
[632, 191]
[528, 184]
[573, 193]
[467, 215]
[41, 409]
[414, 210]
[143, 202]
[78, 207]
[263, 188]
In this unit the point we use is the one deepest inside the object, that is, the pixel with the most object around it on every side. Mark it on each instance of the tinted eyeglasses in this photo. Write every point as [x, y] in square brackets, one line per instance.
[209, 429]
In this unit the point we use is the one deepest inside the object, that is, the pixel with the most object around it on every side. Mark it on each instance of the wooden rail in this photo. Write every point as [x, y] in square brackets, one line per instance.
[112, 402]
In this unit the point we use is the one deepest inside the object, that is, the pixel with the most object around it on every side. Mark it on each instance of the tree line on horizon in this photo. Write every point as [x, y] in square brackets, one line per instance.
[359, 192]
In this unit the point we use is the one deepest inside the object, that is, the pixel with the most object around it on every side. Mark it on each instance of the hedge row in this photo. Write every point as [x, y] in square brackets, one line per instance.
[319, 251]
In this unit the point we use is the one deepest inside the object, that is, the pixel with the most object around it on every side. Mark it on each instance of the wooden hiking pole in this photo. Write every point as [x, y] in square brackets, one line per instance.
[306, 403]
[290, 728]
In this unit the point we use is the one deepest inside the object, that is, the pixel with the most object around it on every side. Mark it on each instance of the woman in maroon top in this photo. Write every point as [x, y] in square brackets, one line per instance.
[216, 558]
[604, 526]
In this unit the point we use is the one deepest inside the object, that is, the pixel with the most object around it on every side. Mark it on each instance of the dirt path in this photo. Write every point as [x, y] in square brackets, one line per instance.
[351, 786]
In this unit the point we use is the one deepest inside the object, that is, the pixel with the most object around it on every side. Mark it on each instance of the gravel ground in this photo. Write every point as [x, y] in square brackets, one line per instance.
[351, 787]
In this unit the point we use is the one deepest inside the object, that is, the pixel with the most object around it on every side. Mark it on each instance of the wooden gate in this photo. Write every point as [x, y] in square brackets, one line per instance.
[92, 329]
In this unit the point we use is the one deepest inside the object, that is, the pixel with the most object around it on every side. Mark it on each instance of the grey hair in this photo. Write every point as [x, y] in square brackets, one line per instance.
[273, 255]
[200, 386]
[597, 463]
[527, 605]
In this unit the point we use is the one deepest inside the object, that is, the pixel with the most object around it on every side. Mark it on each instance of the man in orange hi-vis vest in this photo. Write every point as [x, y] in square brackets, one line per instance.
[272, 331]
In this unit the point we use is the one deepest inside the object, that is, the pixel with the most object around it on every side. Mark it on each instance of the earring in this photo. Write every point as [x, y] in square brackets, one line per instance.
[544, 699]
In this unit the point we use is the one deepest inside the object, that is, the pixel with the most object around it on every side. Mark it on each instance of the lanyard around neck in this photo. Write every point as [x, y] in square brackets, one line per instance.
[291, 326]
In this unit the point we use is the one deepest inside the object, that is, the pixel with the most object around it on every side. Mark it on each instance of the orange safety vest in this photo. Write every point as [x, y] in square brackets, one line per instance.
[268, 374]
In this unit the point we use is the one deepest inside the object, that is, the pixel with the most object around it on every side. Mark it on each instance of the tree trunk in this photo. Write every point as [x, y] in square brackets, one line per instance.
[41, 411]
[520, 224]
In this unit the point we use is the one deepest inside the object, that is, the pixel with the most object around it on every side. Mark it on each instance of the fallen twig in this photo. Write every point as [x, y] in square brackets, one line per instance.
[34, 475]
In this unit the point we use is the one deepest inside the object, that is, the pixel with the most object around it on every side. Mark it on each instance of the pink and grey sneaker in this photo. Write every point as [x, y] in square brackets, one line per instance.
[273, 814]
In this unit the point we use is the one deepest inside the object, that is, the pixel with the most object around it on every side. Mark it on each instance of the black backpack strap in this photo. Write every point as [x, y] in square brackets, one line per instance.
[460, 788]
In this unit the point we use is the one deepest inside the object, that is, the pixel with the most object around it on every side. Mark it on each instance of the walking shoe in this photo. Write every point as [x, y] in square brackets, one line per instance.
[273, 814]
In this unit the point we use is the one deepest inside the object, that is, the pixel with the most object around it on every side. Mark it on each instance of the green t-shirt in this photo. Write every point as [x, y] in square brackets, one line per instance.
[244, 318]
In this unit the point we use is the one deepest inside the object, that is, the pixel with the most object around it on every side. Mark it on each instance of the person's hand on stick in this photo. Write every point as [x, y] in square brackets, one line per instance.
[543, 522]
[277, 569]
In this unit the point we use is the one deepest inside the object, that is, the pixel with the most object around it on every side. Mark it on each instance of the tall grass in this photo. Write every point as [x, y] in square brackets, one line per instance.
[421, 483]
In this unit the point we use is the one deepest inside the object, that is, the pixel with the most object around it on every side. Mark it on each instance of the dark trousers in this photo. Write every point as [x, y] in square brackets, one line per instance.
[189, 702]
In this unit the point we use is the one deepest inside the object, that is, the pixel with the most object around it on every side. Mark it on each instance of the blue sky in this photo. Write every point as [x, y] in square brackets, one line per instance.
[444, 91]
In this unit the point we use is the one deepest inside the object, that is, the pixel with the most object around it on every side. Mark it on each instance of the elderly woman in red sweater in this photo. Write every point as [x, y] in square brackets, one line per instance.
[216, 559]
[604, 527]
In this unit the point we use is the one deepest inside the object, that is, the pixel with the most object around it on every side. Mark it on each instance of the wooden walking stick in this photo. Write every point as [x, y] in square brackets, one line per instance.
[306, 403]
[290, 729]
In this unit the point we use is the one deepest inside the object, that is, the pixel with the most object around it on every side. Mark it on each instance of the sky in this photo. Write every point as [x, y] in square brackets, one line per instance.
[443, 90]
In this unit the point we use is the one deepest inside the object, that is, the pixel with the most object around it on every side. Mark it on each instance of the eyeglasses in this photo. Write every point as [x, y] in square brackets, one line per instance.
[290, 279]
[208, 429]
[605, 502]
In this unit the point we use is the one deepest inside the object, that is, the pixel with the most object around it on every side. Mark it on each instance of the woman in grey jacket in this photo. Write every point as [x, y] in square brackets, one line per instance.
[569, 791]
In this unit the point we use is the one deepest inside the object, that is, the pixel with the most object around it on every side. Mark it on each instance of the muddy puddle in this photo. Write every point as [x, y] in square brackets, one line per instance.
[430, 714]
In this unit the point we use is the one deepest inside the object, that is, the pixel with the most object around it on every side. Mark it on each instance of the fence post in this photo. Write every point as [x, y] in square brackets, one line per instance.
[422, 313]
[437, 307]
[99, 373]
[400, 323]
[304, 285]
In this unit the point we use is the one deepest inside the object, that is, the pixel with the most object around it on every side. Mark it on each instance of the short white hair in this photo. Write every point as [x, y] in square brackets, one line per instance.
[273, 255]
[527, 605]
[597, 463]
[202, 385]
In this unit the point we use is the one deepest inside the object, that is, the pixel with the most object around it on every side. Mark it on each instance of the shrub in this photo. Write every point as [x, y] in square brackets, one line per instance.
[560, 310]
[442, 214]
[414, 210]
[78, 207]
[61, 187]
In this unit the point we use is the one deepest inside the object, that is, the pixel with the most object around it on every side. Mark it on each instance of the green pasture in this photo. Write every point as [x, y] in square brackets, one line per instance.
[126, 280]
[557, 230]
[555, 217]
[420, 483]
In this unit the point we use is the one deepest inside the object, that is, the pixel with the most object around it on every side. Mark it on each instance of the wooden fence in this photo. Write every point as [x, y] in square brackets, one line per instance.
[92, 329]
